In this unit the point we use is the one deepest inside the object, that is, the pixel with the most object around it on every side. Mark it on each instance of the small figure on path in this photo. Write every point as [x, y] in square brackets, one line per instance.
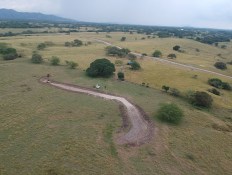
[48, 75]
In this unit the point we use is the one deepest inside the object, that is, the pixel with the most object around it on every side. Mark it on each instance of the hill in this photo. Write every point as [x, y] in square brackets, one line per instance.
[9, 14]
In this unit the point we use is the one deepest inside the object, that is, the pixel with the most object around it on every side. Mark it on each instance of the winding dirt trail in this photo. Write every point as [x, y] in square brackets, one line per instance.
[141, 129]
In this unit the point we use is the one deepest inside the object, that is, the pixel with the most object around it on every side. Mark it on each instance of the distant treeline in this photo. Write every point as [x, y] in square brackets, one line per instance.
[208, 36]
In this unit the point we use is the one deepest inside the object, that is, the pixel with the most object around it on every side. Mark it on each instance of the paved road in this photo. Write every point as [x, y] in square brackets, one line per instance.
[171, 62]
[141, 130]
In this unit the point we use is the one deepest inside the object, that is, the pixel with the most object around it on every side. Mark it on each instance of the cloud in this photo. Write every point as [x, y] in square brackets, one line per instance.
[201, 13]
[46, 6]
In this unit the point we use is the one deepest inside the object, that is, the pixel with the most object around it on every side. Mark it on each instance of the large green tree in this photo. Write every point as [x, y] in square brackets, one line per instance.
[101, 68]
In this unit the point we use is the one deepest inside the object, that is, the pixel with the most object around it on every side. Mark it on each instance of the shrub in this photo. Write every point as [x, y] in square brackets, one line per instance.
[67, 44]
[9, 56]
[175, 92]
[121, 76]
[41, 46]
[135, 65]
[165, 88]
[203, 99]
[101, 68]
[71, 64]
[36, 58]
[215, 82]
[157, 53]
[226, 86]
[172, 55]
[214, 91]
[123, 38]
[115, 51]
[220, 65]
[9, 50]
[55, 61]
[176, 48]
[170, 113]
[75, 43]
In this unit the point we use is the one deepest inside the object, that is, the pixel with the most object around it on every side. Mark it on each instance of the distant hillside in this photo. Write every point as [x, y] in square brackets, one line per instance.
[9, 14]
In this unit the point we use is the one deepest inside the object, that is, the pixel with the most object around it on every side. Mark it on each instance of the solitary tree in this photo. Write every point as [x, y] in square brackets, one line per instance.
[101, 68]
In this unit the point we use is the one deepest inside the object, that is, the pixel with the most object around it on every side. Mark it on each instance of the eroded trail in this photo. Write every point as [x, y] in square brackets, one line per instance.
[141, 129]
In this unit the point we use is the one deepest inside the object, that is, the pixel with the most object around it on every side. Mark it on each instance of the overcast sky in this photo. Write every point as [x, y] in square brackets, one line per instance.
[196, 13]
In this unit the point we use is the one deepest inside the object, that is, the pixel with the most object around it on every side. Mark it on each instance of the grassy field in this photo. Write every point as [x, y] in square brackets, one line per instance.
[50, 131]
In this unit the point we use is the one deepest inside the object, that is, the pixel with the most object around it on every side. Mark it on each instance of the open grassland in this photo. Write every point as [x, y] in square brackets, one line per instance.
[155, 73]
[50, 131]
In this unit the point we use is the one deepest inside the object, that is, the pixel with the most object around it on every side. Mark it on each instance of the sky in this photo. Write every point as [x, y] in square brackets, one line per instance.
[191, 13]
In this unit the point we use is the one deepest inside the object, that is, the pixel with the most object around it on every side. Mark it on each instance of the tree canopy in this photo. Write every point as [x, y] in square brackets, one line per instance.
[101, 68]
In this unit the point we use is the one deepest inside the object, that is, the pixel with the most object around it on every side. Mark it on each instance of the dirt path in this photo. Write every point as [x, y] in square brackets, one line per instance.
[141, 129]
[170, 62]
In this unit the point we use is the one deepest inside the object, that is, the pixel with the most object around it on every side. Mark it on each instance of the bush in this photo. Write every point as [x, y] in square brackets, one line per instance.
[215, 82]
[71, 64]
[165, 88]
[170, 113]
[101, 68]
[77, 43]
[214, 91]
[41, 46]
[135, 65]
[172, 55]
[10, 56]
[123, 38]
[67, 44]
[157, 53]
[121, 76]
[203, 99]
[176, 48]
[115, 51]
[55, 61]
[36, 58]
[9, 50]
[175, 92]
[220, 65]
[226, 86]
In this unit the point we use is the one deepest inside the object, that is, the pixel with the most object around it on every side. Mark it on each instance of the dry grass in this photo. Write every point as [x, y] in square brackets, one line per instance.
[49, 131]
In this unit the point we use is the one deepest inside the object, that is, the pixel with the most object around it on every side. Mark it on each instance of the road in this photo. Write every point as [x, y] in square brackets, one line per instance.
[140, 131]
[170, 62]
